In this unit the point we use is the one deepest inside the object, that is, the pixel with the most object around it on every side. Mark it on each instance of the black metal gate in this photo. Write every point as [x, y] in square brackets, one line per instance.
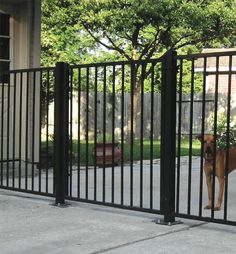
[57, 124]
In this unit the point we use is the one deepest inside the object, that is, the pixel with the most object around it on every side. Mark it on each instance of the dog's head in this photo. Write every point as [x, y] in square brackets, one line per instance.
[209, 143]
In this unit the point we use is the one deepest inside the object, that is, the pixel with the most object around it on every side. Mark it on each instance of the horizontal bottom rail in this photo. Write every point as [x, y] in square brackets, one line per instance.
[27, 191]
[207, 219]
[126, 207]
[9, 160]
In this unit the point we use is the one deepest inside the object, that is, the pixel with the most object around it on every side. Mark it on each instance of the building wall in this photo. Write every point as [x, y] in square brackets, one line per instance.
[223, 83]
[224, 65]
[25, 32]
[25, 26]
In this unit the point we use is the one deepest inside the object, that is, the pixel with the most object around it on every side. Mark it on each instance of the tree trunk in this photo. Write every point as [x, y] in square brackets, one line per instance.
[132, 121]
[82, 115]
[138, 80]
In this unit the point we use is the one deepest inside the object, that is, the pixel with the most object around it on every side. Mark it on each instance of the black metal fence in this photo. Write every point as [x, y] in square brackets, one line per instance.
[212, 76]
[98, 155]
[26, 156]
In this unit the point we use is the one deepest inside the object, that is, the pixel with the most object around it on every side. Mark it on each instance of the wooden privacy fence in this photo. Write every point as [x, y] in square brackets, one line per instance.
[185, 105]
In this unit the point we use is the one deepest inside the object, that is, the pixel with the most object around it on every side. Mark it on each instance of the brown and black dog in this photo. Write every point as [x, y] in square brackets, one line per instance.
[220, 167]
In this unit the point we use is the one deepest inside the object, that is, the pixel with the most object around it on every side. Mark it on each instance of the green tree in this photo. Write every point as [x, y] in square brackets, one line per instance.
[62, 37]
[142, 29]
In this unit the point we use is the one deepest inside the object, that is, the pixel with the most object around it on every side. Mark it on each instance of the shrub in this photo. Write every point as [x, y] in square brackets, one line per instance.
[225, 135]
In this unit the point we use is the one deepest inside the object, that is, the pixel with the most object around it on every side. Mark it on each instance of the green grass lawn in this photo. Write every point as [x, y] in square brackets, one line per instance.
[196, 146]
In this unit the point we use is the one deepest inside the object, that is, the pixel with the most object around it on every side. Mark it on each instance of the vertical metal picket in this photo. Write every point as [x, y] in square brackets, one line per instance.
[168, 138]
[61, 131]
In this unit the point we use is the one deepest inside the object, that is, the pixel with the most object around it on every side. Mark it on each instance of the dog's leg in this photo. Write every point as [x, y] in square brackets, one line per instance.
[209, 188]
[221, 191]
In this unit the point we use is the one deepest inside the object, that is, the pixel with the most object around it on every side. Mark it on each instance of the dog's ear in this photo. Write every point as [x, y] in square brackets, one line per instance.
[199, 137]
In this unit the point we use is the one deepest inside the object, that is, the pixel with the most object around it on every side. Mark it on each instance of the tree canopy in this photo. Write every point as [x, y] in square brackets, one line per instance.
[99, 30]
[134, 29]
[62, 38]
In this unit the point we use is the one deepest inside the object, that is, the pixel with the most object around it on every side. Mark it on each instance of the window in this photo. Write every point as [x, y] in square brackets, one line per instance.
[4, 45]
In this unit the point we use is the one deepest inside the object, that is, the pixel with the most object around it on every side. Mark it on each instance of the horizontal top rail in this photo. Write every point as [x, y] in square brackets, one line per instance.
[157, 60]
[220, 72]
[210, 54]
[126, 62]
[32, 69]
[27, 70]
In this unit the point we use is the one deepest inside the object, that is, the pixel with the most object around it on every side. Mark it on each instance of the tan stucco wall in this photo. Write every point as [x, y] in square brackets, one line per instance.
[25, 53]
[25, 32]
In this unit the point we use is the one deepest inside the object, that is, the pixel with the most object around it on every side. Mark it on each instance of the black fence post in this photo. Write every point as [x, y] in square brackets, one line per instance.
[61, 117]
[168, 137]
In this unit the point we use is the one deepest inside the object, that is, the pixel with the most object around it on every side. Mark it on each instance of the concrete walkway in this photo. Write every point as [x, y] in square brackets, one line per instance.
[30, 224]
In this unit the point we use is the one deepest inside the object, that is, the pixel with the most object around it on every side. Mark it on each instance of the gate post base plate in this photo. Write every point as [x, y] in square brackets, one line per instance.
[166, 223]
[65, 205]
